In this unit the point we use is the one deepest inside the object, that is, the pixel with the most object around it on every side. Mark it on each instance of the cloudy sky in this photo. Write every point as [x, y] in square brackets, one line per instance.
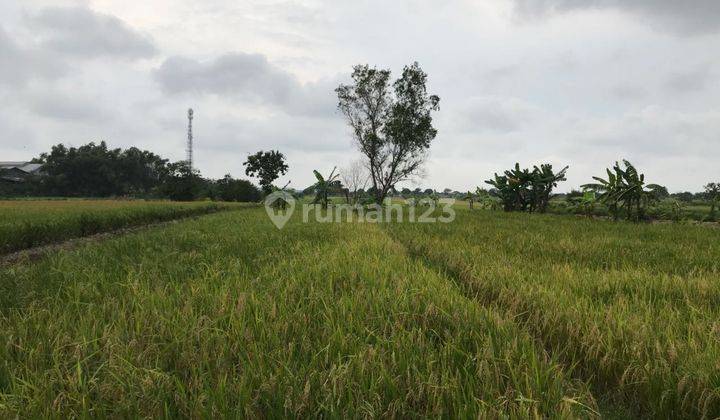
[570, 82]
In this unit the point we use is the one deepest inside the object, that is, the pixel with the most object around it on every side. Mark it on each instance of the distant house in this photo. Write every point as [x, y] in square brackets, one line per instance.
[18, 171]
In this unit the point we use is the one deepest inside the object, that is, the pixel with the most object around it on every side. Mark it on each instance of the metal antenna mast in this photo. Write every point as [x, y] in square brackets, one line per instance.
[190, 139]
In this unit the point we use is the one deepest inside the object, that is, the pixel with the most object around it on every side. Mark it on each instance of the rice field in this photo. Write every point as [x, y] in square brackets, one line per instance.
[633, 308]
[492, 315]
[25, 223]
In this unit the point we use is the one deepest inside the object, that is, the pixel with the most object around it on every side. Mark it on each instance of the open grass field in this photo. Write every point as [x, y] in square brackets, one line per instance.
[493, 314]
[28, 223]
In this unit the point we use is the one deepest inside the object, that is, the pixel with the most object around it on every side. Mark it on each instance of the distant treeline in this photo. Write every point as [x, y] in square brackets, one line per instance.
[94, 170]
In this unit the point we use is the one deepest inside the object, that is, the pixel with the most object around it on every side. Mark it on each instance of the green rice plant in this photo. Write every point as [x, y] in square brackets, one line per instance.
[493, 315]
[228, 316]
[25, 224]
[631, 307]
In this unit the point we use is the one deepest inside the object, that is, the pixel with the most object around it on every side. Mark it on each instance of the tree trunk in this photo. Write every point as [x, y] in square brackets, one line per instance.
[379, 196]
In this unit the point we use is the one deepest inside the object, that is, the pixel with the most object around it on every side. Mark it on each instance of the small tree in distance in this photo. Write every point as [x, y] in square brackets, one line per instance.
[267, 167]
[712, 193]
[323, 187]
[355, 179]
[391, 125]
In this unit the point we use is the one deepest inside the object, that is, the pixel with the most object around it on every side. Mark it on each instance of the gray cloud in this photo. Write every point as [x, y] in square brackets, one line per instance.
[650, 132]
[628, 92]
[494, 113]
[500, 73]
[585, 90]
[9, 53]
[82, 32]
[249, 78]
[247, 74]
[18, 65]
[67, 106]
[686, 17]
[244, 136]
[693, 80]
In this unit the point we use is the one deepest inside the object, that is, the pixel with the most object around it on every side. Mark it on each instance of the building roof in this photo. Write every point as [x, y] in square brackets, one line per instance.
[23, 166]
[31, 167]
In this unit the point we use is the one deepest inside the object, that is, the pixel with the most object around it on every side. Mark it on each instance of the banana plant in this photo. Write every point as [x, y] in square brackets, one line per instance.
[525, 190]
[470, 198]
[504, 191]
[608, 190]
[280, 203]
[324, 186]
[434, 198]
[512, 188]
[543, 180]
[712, 193]
[487, 201]
[626, 189]
[677, 211]
[587, 202]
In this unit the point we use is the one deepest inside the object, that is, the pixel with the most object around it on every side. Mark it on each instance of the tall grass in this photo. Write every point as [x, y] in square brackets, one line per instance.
[24, 224]
[226, 315]
[634, 308]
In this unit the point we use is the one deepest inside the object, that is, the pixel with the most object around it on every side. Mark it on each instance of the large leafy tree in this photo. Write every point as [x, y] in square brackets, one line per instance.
[181, 182]
[267, 167]
[94, 170]
[230, 189]
[140, 170]
[391, 124]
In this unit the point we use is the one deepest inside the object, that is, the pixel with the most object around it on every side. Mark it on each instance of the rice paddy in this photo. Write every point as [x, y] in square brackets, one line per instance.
[492, 315]
[25, 224]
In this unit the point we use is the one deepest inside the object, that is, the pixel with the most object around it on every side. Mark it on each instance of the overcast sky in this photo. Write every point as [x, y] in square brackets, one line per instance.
[570, 82]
